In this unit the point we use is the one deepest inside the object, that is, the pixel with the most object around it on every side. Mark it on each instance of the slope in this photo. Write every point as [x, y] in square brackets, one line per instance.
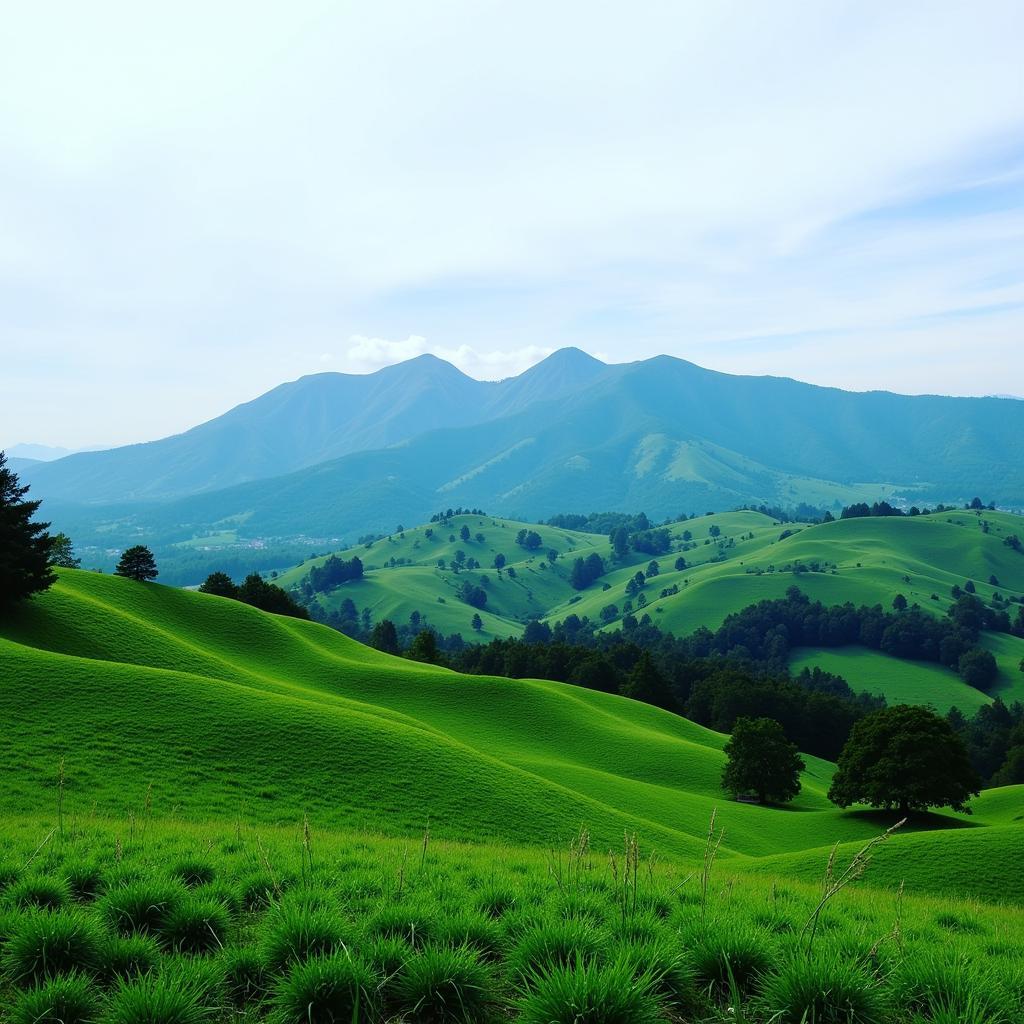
[224, 710]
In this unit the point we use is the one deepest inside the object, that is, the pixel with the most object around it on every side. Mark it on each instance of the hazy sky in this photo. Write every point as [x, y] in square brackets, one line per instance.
[201, 200]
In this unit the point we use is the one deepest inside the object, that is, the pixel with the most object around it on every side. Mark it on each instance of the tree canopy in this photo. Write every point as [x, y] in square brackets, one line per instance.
[907, 758]
[26, 548]
[137, 563]
[762, 761]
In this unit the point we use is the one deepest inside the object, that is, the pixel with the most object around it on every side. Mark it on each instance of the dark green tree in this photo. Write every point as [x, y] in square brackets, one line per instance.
[899, 602]
[62, 555]
[499, 561]
[646, 683]
[978, 668]
[220, 584]
[137, 563]
[424, 648]
[464, 533]
[26, 549]
[762, 761]
[385, 637]
[477, 623]
[906, 758]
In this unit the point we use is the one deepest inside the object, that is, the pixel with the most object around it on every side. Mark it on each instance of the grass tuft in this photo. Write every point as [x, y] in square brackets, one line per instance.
[444, 984]
[336, 989]
[47, 944]
[70, 999]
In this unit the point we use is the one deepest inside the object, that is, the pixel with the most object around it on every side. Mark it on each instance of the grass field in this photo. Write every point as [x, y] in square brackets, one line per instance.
[145, 922]
[919, 682]
[169, 746]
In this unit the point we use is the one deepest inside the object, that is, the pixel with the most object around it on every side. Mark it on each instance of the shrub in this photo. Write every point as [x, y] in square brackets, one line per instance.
[829, 988]
[948, 983]
[38, 891]
[155, 999]
[671, 976]
[590, 992]
[193, 872]
[195, 926]
[139, 906]
[67, 1000]
[444, 984]
[122, 957]
[47, 944]
[336, 989]
[415, 924]
[86, 882]
[495, 901]
[730, 952]
[294, 934]
[473, 931]
[553, 944]
[245, 976]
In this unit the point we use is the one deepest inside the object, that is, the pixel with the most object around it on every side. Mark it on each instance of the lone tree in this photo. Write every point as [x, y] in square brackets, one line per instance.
[906, 758]
[477, 623]
[137, 563]
[63, 554]
[26, 549]
[762, 761]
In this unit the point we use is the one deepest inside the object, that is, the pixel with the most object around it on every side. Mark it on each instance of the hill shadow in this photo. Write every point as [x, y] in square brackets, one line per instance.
[927, 821]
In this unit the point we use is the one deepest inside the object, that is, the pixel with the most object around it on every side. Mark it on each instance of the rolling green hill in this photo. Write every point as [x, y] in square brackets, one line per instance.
[863, 561]
[207, 708]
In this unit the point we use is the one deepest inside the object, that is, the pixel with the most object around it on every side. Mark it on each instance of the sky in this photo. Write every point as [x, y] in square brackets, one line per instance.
[199, 201]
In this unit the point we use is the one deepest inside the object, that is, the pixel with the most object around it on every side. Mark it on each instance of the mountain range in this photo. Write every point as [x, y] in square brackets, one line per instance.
[338, 454]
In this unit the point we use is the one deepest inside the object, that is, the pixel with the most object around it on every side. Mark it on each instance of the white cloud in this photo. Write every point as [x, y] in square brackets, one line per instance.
[237, 186]
[367, 354]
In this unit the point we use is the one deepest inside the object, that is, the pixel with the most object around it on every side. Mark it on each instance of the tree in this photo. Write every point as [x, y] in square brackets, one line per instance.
[978, 668]
[537, 632]
[499, 561]
[220, 584]
[646, 683]
[62, 555]
[464, 533]
[680, 564]
[26, 549]
[907, 758]
[899, 602]
[137, 563]
[385, 637]
[269, 597]
[424, 648]
[477, 623]
[762, 761]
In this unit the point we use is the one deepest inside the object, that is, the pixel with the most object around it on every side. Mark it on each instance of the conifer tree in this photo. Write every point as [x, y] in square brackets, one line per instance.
[25, 546]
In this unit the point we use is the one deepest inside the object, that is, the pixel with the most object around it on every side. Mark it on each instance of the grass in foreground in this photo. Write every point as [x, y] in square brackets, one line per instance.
[146, 922]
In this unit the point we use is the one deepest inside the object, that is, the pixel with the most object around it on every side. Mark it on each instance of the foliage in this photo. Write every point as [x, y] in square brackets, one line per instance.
[907, 758]
[137, 563]
[26, 549]
[762, 761]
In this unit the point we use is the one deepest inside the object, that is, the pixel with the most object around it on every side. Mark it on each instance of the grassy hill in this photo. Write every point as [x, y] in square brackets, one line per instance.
[224, 710]
[278, 811]
[864, 561]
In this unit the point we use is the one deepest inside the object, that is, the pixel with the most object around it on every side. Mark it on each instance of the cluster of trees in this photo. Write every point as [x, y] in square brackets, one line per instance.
[333, 573]
[902, 758]
[450, 513]
[994, 739]
[529, 539]
[586, 571]
[766, 632]
[861, 509]
[473, 595]
[255, 591]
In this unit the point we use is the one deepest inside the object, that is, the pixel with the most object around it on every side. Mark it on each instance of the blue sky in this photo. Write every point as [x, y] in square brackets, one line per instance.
[200, 203]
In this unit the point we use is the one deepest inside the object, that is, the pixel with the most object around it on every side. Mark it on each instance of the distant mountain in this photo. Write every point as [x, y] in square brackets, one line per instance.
[307, 422]
[572, 434]
[37, 452]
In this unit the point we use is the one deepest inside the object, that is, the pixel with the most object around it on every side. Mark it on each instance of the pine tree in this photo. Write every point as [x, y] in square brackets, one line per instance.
[137, 563]
[63, 554]
[25, 546]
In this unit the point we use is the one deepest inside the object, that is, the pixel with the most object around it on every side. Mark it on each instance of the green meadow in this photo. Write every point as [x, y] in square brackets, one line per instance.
[212, 813]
